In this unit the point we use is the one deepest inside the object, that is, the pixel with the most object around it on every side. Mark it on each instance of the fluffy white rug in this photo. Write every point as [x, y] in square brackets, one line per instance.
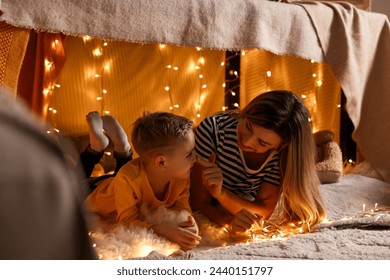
[357, 227]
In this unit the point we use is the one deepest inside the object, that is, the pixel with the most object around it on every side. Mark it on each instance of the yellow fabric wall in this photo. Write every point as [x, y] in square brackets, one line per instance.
[135, 77]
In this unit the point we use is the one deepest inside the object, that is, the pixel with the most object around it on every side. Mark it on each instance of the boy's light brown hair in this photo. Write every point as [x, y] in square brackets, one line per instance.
[159, 130]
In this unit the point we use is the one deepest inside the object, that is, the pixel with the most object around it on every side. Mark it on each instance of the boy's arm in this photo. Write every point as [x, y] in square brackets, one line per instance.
[183, 199]
[127, 200]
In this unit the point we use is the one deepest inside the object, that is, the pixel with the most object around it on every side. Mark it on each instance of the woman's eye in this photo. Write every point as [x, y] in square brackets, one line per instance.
[262, 144]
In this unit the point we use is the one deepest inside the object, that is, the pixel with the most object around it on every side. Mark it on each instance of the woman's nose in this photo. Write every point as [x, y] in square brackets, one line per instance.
[247, 141]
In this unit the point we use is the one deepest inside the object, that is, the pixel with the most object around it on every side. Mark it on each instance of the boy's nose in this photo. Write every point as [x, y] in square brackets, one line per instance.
[194, 157]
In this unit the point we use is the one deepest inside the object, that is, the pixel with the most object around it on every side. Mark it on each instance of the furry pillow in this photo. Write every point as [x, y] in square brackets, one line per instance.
[329, 160]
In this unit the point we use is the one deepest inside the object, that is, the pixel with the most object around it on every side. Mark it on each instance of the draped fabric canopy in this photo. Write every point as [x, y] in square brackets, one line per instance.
[356, 44]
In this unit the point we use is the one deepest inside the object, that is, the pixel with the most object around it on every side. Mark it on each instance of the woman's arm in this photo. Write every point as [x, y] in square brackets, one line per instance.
[211, 178]
[201, 200]
[263, 205]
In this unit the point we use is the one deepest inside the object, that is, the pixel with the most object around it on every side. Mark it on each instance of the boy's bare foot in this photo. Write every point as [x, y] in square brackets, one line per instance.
[97, 140]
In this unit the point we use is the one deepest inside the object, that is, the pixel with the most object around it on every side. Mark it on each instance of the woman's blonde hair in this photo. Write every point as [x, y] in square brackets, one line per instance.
[283, 112]
[159, 130]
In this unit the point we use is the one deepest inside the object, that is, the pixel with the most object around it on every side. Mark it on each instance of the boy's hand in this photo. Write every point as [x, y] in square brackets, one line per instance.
[190, 225]
[211, 176]
[184, 238]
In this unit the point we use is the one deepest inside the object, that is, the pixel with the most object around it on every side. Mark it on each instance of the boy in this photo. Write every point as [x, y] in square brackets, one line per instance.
[158, 178]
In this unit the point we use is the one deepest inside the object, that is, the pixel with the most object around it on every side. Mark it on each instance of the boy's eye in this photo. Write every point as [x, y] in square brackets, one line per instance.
[190, 154]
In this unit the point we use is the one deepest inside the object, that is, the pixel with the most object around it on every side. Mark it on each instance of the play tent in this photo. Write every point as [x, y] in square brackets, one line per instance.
[337, 40]
[355, 45]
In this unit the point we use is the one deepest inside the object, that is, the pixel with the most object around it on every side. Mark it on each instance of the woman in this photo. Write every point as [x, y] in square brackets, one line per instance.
[248, 162]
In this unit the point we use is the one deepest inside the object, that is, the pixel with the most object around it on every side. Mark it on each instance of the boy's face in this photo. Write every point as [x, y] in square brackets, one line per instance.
[182, 158]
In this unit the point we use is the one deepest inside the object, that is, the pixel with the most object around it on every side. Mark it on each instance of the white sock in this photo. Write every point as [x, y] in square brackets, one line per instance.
[97, 139]
[116, 133]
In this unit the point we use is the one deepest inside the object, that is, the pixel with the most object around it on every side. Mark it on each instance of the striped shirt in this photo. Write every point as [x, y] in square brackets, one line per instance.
[218, 134]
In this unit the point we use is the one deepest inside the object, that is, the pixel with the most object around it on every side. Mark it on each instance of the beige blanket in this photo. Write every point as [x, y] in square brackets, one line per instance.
[356, 44]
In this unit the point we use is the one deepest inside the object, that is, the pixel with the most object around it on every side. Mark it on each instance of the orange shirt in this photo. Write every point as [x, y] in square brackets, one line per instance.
[129, 190]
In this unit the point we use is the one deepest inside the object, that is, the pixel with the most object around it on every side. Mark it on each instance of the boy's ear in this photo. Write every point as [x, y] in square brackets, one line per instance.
[160, 161]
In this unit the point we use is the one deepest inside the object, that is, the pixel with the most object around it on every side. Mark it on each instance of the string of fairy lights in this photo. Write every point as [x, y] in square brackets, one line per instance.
[231, 84]
[102, 72]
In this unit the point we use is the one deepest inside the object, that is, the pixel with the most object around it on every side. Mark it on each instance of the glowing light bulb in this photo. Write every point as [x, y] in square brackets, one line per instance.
[162, 46]
[169, 66]
[319, 83]
[201, 60]
[236, 105]
[223, 85]
[303, 96]
[99, 98]
[314, 75]
[222, 63]
[204, 86]
[198, 115]
[235, 73]
[48, 64]
[243, 53]
[175, 68]
[233, 93]
[312, 61]
[196, 67]
[167, 88]
[198, 49]
[97, 52]
[176, 106]
[104, 91]
[86, 38]
[269, 73]
[105, 44]
[200, 76]
[97, 75]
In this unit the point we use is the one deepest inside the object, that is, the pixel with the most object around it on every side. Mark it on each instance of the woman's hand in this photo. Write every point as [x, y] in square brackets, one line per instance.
[186, 239]
[211, 176]
[244, 220]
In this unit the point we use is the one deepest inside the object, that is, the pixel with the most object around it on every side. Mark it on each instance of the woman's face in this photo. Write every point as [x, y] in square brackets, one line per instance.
[256, 139]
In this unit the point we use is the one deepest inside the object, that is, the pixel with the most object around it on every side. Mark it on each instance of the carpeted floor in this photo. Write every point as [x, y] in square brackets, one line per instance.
[357, 227]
